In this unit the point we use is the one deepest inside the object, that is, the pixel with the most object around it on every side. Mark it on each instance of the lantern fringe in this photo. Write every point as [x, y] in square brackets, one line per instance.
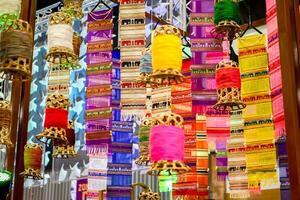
[172, 167]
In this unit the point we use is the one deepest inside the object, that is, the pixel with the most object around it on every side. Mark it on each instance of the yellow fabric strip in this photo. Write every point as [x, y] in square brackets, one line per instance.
[255, 85]
[258, 111]
[259, 135]
[253, 63]
[252, 41]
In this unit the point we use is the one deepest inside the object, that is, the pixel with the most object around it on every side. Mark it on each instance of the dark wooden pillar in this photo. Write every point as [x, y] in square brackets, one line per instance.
[288, 25]
[20, 104]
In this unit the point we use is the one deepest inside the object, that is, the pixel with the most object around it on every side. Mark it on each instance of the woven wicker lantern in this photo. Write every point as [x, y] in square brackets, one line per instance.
[32, 161]
[228, 83]
[226, 19]
[60, 39]
[164, 155]
[56, 108]
[16, 46]
[73, 8]
[66, 149]
[166, 55]
[5, 123]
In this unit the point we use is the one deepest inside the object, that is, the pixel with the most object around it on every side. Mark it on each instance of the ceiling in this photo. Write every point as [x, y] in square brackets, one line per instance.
[258, 8]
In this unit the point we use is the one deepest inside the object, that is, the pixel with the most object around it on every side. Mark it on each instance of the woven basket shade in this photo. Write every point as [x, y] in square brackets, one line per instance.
[16, 47]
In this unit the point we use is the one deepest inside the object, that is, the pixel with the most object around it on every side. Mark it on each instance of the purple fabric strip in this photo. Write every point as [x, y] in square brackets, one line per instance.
[98, 102]
[98, 57]
[198, 32]
[98, 15]
[221, 161]
[97, 36]
[98, 125]
[202, 6]
[203, 83]
[281, 149]
[99, 79]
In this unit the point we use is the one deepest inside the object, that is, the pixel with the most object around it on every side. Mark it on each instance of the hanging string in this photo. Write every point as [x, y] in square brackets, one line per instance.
[60, 35]
[227, 10]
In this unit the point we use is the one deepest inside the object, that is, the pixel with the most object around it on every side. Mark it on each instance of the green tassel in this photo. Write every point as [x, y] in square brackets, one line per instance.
[227, 10]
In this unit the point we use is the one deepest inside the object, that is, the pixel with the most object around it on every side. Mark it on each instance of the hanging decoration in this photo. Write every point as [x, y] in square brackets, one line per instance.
[166, 55]
[277, 96]
[226, 19]
[73, 8]
[164, 155]
[228, 84]
[259, 131]
[66, 149]
[146, 194]
[5, 123]
[56, 108]
[132, 42]
[237, 171]
[32, 161]
[9, 12]
[16, 45]
[60, 39]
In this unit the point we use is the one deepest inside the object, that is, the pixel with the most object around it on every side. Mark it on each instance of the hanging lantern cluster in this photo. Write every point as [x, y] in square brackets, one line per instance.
[144, 133]
[164, 155]
[33, 154]
[227, 19]
[166, 55]
[5, 123]
[56, 108]
[73, 8]
[9, 12]
[228, 84]
[16, 47]
[66, 149]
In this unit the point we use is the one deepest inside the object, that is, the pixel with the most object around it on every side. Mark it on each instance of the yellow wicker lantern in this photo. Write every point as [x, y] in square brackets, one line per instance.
[60, 39]
[5, 123]
[166, 55]
[16, 46]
